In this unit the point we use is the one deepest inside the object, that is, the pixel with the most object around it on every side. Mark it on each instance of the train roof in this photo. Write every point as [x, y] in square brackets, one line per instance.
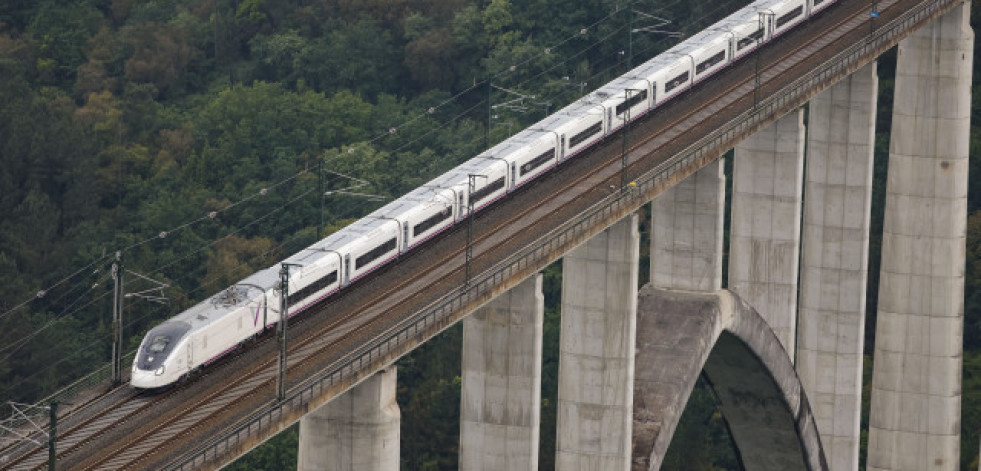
[230, 299]
[696, 43]
[460, 176]
[420, 198]
[575, 111]
[762, 5]
[616, 89]
[365, 227]
[519, 142]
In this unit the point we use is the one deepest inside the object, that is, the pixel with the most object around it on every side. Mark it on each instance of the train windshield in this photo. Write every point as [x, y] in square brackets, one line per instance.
[158, 344]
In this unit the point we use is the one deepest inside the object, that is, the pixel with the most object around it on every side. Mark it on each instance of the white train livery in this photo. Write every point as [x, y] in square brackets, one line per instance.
[217, 325]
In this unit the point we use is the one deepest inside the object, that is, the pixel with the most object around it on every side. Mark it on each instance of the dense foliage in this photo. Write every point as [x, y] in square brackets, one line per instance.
[192, 136]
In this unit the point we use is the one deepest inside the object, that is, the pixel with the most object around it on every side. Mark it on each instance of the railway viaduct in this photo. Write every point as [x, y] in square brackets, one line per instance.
[781, 345]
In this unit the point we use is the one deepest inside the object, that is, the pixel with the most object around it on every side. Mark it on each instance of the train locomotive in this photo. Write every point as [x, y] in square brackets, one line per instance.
[213, 327]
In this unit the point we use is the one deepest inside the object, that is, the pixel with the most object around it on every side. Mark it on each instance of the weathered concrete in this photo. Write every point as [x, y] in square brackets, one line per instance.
[681, 333]
[596, 351]
[358, 431]
[765, 232]
[687, 232]
[834, 263]
[500, 404]
[916, 384]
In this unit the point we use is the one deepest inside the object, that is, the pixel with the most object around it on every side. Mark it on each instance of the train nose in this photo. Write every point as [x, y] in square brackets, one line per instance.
[149, 379]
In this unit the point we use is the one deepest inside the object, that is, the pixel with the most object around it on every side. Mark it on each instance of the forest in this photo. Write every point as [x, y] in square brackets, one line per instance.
[193, 137]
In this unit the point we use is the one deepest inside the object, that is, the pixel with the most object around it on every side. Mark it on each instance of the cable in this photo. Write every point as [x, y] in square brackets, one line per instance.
[405, 144]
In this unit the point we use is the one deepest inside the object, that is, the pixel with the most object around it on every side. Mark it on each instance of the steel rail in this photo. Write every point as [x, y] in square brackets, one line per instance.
[428, 322]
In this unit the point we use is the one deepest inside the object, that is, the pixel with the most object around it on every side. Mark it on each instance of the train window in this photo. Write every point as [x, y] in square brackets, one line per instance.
[676, 82]
[158, 344]
[634, 99]
[589, 132]
[705, 65]
[374, 254]
[789, 16]
[749, 40]
[537, 162]
[487, 190]
[318, 285]
[818, 2]
[431, 221]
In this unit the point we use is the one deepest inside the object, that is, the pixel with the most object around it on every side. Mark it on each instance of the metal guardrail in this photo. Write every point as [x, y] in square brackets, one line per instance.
[440, 314]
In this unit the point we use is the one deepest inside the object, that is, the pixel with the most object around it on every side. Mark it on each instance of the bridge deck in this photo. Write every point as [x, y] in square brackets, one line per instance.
[125, 430]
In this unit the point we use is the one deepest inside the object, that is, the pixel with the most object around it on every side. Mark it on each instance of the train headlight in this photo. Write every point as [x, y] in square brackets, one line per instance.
[159, 371]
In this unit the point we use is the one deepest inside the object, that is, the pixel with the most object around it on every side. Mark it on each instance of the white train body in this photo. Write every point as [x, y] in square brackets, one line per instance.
[217, 325]
[528, 154]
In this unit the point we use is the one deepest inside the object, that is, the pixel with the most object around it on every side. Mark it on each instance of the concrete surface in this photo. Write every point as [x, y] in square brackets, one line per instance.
[500, 403]
[916, 385]
[764, 238]
[596, 351]
[834, 261]
[358, 431]
[680, 333]
[686, 232]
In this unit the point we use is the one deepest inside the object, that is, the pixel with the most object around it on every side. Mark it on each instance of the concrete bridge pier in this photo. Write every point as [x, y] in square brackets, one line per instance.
[500, 406]
[687, 232]
[596, 351]
[764, 239]
[357, 431]
[686, 256]
[914, 420]
[837, 210]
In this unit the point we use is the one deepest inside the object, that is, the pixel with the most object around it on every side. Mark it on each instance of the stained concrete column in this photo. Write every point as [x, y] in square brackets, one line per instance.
[502, 381]
[834, 263]
[596, 351]
[686, 232]
[914, 420]
[764, 239]
[357, 431]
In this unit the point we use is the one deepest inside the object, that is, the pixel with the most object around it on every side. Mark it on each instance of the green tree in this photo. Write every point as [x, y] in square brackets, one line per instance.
[62, 32]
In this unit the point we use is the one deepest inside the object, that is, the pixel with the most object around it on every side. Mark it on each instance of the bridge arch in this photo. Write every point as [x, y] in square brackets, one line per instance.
[680, 334]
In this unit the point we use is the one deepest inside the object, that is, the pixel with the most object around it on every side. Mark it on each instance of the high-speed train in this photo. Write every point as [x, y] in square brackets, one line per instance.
[217, 325]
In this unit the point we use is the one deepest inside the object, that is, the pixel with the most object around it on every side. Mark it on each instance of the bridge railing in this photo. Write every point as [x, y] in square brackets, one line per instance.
[441, 313]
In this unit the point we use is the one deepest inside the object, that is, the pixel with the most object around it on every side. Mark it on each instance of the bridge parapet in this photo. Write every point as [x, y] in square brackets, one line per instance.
[388, 346]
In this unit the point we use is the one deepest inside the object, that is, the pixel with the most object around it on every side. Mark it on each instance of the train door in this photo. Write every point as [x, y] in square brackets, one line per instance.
[562, 147]
[347, 268]
[609, 118]
[514, 174]
[405, 235]
[190, 352]
[461, 206]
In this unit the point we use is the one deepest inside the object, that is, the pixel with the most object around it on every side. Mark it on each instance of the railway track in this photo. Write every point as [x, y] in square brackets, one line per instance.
[141, 432]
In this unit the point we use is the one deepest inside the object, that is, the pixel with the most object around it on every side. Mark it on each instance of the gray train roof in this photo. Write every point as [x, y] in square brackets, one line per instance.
[229, 299]
[518, 142]
[461, 174]
[575, 111]
[429, 193]
[363, 227]
[414, 200]
[754, 8]
[617, 88]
